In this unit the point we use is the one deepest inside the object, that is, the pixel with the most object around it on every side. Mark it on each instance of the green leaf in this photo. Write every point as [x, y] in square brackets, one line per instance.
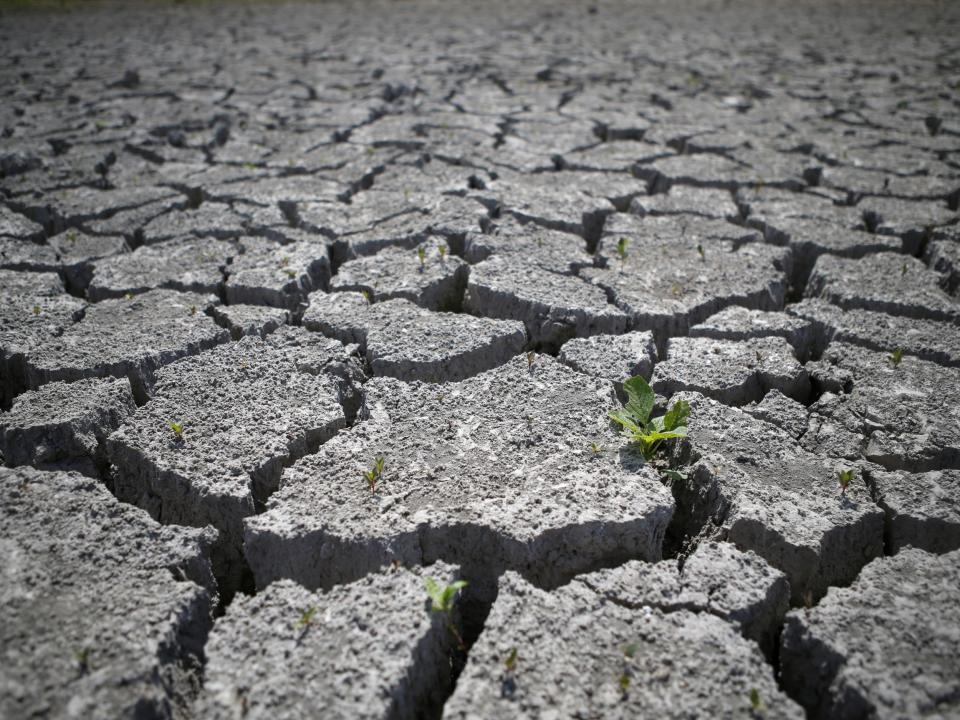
[674, 475]
[626, 421]
[434, 591]
[677, 415]
[639, 399]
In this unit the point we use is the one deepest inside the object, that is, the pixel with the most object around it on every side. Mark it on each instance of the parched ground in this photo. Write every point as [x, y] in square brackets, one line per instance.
[305, 307]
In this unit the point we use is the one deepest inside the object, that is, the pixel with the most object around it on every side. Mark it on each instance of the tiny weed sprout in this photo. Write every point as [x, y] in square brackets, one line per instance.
[306, 618]
[510, 662]
[442, 596]
[441, 601]
[755, 699]
[531, 358]
[193, 309]
[844, 476]
[367, 296]
[701, 253]
[623, 682]
[36, 309]
[674, 476]
[903, 270]
[128, 296]
[373, 475]
[291, 274]
[82, 658]
[443, 252]
[595, 448]
[636, 423]
[622, 251]
[895, 357]
[378, 464]
[177, 430]
[422, 257]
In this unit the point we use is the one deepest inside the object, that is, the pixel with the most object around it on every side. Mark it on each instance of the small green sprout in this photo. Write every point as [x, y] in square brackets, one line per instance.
[442, 597]
[622, 251]
[193, 309]
[903, 270]
[674, 476]
[895, 357]
[701, 253]
[248, 166]
[422, 257]
[36, 310]
[595, 448]
[442, 600]
[306, 618]
[284, 261]
[82, 658]
[442, 249]
[128, 296]
[177, 430]
[636, 423]
[755, 702]
[531, 358]
[375, 473]
[623, 682]
[72, 236]
[367, 296]
[510, 662]
[291, 274]
[844, 476]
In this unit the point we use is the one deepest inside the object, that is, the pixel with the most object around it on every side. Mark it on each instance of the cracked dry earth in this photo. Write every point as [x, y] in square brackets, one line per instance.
[246, 250]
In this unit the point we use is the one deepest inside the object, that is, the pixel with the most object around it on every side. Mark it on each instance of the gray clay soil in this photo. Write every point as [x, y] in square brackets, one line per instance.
[308, 308]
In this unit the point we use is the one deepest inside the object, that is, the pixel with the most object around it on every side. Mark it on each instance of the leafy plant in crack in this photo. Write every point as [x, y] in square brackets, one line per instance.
[374, 474]
[701, 253]
[755, 702]
[193, 310]
[177, 429]
[596, 448]
[844, 476]
[442, 249]
[422, 257]
[636, 423]
[531, 358]
[442, 600]
[895, 357]
[37, 310]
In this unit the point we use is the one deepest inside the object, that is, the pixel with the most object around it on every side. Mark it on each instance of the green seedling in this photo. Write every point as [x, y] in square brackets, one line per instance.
[291, 274]
[844, 476]
[903, 270]
[82, 658]
[623, 682]
[284, 261]
[193, 309]
[595, 448]
[755, 702]
[443, 252]
[72, 236]
[622, 251]
[306, 618]
[442, 600]
[636, 423]
[895, 357]
[367, 296]
[36, 310]
[177, 430]
[128, 296]
[531, 358]
[422, 257]
[442, 596]
[375, 473]
[701, 253]
[674, 476]
[510, 662]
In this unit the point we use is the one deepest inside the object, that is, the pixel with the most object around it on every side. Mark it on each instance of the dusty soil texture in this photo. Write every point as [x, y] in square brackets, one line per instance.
[312, 312]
